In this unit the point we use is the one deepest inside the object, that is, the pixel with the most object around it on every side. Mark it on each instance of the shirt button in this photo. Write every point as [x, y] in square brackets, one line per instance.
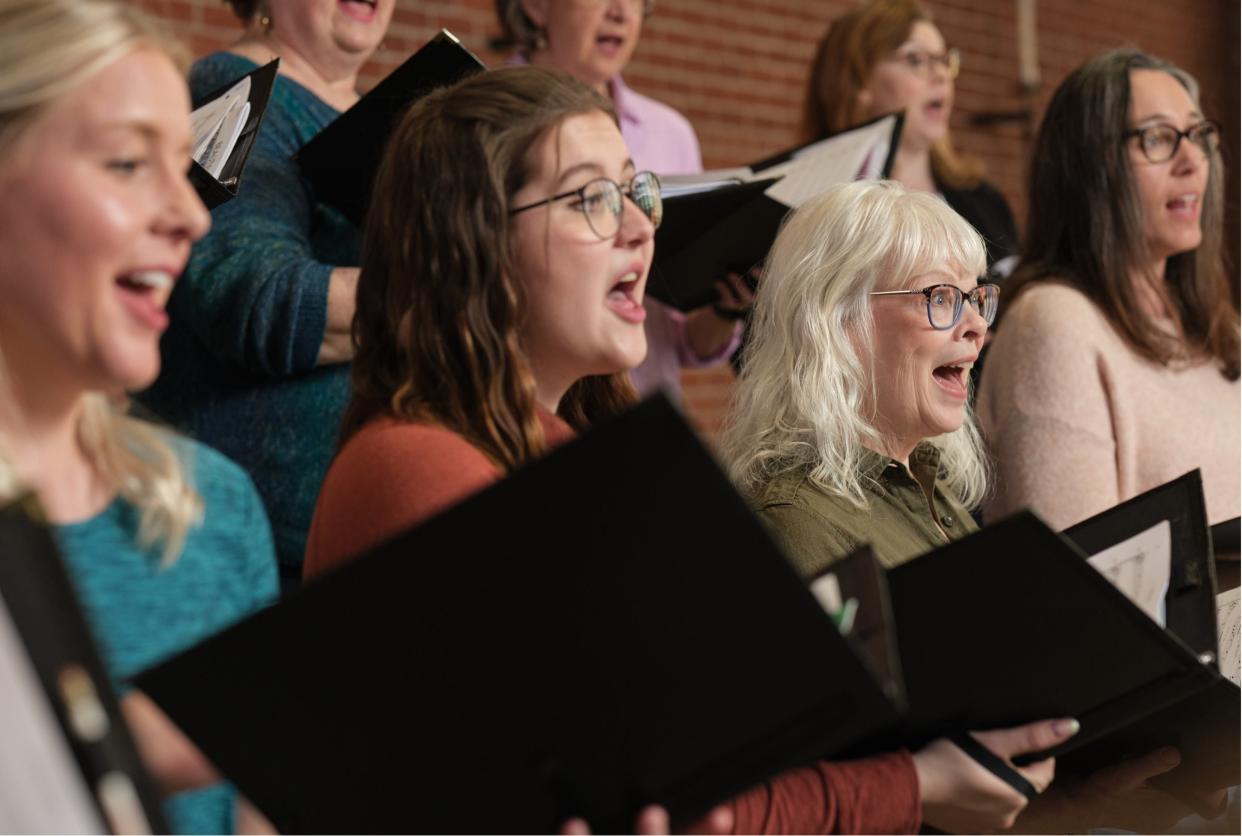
[946, 520]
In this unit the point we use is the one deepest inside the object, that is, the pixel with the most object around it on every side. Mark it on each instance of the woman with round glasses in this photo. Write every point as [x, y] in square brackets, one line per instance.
[498, 321]
[886, 56]
[593, 40]
[1117, 368]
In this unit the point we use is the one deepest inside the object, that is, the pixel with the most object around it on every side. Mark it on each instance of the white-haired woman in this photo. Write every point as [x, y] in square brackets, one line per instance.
[850, 421]
[166, 542]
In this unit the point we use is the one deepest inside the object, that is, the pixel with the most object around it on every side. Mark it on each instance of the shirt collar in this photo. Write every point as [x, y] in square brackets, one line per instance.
[924, 458]
[623, 101]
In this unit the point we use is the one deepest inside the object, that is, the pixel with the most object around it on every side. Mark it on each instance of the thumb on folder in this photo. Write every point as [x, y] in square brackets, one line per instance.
[960, 794]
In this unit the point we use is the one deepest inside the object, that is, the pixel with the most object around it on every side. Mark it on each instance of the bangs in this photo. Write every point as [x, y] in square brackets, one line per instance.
[928, 235]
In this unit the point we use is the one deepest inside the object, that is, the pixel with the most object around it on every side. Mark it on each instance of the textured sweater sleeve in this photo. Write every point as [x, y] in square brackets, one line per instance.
[254, 292]
[1046, 405]
[388, 478]
[878, 794]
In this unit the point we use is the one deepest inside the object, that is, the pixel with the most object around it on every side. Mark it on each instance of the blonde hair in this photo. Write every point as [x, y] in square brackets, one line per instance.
[803, 394]
[47, 49]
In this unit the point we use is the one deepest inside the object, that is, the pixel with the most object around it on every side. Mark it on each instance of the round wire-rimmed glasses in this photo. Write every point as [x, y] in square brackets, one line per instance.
[602, 201]
[1159, 143]
[945, 302]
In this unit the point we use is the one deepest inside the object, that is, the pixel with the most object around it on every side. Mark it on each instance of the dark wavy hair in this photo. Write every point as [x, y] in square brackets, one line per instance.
[849, 51]
[437, 332]
[1085, 222]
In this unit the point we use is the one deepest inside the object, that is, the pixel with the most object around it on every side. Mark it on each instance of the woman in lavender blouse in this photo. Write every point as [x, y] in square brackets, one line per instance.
[593, 41]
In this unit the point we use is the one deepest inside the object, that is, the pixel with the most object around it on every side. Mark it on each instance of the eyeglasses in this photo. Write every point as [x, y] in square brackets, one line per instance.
[945, 302]
[921, 62]
[601, 201]
[1159, 143]
[645, 6]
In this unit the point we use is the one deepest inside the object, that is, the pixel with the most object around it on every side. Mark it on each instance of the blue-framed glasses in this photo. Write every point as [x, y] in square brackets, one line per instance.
[945, 302]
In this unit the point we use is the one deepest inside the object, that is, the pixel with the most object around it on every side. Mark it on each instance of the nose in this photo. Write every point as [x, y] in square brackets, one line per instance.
[184, 216]
[972, 325]
[1190, 157]
[636, 228]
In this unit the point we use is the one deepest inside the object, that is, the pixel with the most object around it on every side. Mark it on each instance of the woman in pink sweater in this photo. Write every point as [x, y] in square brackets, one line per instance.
[499, 306]
[1115, 364]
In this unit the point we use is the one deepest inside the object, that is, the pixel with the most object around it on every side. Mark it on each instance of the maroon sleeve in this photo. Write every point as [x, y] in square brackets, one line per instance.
[878, 794]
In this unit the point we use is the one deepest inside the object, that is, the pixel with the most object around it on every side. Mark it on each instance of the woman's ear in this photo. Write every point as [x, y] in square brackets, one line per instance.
[537, 11]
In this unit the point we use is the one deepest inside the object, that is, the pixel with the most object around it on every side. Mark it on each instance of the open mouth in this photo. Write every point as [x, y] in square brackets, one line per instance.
[144, 293]
[625, 299]
[1184, 205]
[610, 44]
[363, 10]
[954, 377]
[936, 107]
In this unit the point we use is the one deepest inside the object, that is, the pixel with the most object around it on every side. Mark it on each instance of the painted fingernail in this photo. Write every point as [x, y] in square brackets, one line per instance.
[1066, 728]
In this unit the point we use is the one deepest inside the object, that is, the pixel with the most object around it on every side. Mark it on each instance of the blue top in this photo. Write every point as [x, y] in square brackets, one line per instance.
[141, 614]
[248, 317]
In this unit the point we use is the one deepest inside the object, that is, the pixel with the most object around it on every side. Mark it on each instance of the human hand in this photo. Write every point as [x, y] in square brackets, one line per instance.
[960, 796]
[1118, 796]
[652, 820]
[735, 295]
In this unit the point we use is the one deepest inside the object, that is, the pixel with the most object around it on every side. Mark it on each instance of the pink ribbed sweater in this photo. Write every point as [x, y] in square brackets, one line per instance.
[1078, 422]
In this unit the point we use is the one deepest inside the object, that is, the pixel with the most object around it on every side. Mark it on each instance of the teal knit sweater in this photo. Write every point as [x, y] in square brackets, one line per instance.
[141, 614]
[249, 314]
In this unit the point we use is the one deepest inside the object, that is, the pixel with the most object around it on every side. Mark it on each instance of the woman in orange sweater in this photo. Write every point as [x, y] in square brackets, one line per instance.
[499, 306]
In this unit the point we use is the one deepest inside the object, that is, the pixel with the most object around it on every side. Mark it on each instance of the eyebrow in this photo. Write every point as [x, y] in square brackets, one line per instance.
[591, 167]
[1164, 117]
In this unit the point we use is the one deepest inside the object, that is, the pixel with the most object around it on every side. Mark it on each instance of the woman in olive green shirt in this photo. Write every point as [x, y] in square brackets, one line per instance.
[851, 422]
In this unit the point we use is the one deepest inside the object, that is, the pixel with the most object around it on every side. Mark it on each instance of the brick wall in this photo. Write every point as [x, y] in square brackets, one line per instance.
[737, 68]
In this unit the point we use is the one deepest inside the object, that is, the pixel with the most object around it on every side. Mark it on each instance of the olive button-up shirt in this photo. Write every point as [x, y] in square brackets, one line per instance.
[900, 522]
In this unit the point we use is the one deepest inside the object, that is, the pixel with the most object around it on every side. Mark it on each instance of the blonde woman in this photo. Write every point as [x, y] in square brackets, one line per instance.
[165, 540]
[851, 423]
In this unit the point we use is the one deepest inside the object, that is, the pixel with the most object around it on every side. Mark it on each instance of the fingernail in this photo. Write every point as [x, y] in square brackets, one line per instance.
[1066, 728]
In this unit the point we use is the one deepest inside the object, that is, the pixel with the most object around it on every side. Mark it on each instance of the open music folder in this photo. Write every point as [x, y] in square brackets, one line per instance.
[722, 221]
[341, 160]
[226, 123]
[608, 627]
[67, 761]
[1013, 624]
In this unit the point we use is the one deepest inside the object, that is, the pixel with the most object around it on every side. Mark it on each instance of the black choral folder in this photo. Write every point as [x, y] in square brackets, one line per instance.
[341, 160]
[608, 627]
[1012, 624]
[731, 227]
[215, 191]
[73, 740]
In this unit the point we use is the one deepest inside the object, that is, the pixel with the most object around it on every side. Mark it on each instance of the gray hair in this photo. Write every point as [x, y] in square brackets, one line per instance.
[801, 401]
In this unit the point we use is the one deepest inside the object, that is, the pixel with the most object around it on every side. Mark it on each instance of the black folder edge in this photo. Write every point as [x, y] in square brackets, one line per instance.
[215, 192]
[1227, 539]
[727, 237]
[1190, 605]
[692, 797]
[1193, 676]
[41, 600]
[320, 158]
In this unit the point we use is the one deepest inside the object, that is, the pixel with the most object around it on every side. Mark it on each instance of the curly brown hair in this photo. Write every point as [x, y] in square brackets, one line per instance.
[437, 331]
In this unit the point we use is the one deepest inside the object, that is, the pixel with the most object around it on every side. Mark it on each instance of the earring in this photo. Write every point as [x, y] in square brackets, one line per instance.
[539, 41]
[265, 22]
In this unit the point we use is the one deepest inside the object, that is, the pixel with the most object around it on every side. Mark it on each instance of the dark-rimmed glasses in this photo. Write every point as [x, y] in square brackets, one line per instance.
[945, 302]
[921, 62]
[602, 202]
[1159, 143]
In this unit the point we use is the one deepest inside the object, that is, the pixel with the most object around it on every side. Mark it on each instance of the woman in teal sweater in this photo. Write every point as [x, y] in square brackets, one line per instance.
[165, 540]
[256, 364]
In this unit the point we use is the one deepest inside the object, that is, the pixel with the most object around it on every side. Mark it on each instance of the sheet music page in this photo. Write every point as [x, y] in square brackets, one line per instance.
[1141, 567]
[1227, 633]
[838, 159]
[217, 126]
[675, 185]
[41, 789]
